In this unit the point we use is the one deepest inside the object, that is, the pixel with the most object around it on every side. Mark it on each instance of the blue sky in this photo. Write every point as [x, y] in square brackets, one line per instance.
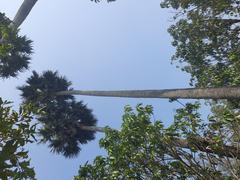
[104, 46]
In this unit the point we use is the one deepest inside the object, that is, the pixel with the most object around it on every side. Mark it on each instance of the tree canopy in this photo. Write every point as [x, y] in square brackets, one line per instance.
[145, 149]
[206, 37]
[16, 130]
[207, 40]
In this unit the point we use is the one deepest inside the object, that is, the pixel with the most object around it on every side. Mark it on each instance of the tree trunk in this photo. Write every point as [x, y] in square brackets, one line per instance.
[22, 13]
[207, 146]
[189, 93]
[93, 128]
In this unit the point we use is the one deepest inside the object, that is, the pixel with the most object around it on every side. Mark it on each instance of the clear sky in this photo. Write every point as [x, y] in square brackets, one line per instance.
[104, 46]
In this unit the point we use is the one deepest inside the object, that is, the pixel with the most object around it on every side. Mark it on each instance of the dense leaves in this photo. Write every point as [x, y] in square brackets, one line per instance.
[15, 50]
[206, 37]
[144, 149]
[62, 127]
[40, 89]
[63, 117]
[16, 130]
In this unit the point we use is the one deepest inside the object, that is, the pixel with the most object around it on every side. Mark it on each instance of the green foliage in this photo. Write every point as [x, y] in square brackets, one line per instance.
[15, 50]
[63, 117]
[206, 37]
[16, 130]
[144, 149]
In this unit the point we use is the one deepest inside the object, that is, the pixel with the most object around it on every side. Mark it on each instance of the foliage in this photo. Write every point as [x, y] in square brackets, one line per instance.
[146, 150]
[16, 130]
[63, 117]
[62, 127]
[206, 37]
[15, 50]
[40, 89]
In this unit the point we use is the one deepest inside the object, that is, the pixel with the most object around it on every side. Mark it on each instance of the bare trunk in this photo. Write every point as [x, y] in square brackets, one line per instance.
[93, 128]
[22, 13]
[189, 93]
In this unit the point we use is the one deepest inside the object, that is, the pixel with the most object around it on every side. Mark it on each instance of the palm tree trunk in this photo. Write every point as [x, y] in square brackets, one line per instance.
[198, 143]
[22, 13]
[189, 93]
[93, 128]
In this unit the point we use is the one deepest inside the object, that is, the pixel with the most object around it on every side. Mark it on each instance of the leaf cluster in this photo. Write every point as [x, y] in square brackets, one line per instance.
[206, 37]
[16, 130]
[15, 50]
[145, 149]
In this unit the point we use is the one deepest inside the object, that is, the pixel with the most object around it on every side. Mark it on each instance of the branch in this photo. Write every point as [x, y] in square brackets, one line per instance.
[207, 146]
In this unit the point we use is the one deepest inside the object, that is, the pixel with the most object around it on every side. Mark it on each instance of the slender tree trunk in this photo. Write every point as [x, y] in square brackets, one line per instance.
[22, 13]
[198, 143]
[189, 93]
[93, 128]
[207, 146]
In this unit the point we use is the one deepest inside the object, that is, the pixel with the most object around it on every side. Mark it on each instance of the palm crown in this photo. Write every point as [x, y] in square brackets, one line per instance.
[63, 116]
[15, 50]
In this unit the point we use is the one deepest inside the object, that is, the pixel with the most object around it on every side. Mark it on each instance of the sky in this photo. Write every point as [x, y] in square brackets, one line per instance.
[97, 46]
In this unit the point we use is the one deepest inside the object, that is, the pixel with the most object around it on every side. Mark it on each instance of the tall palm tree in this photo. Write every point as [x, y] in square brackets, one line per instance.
[15, 50]
[43, 86]
[66, 124]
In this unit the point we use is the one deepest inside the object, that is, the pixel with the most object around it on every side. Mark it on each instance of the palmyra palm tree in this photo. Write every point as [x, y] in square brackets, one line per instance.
[66, 127]
[15, 50]
[44, 88]
[66, 123]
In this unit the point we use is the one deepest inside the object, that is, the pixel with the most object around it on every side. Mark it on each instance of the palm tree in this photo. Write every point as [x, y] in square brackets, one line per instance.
[15, 50]
[49, 86]
[66, 124]
[66, 127]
